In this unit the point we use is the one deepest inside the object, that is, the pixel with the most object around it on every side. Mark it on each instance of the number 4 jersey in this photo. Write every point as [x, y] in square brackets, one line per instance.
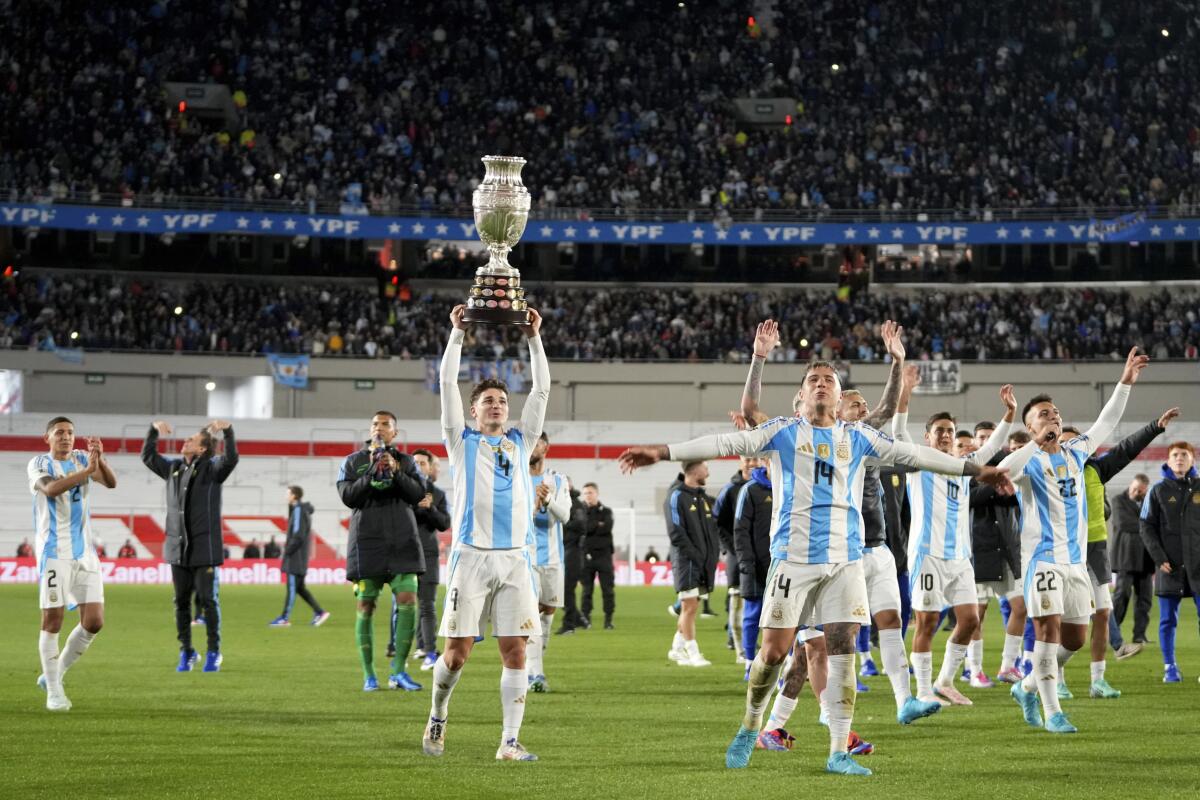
[63, 524]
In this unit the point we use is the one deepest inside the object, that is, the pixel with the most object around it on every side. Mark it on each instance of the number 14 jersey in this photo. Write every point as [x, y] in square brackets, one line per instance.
[493, 496]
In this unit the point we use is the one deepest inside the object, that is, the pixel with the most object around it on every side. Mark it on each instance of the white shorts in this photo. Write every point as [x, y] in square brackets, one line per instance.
[1059, 589]
[1101, 594]
[495, 584]
[814, 594]
[550, 585]
[808, 634]
[688, 594]
[65, 582]
[883, 587]
[1007, 587]
[939, 582]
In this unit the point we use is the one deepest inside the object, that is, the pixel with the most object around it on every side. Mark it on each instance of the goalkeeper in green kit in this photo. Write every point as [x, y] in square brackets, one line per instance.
[382, 486]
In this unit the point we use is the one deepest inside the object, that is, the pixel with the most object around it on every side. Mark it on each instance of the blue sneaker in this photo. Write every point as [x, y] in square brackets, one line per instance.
[401, 681]
[280, 622]
[1059, 723]
[843, 764]
[1171, 674]
[186, 659]
[741, 748]
[869, 670]
[1028, 701]
[430, 660]
[538, 685]
[862, 687]
[371, 684]
[1064, 693]
[212, 661]
[479, 638]
[41, 682]
[914, 709]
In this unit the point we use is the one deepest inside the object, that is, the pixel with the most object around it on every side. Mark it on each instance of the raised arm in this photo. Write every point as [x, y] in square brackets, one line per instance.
[995, 442]
[1106, 423]
[1015, 461]
[223, 464]
[104, 474]
[1126, 450]
[885, 450]
[911, 379]
[453, 421]
[891, 333]
[150, 455]
[533, 415]
[766, 338]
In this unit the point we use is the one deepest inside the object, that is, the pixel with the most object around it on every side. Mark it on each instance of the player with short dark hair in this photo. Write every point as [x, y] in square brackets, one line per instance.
[294, 563]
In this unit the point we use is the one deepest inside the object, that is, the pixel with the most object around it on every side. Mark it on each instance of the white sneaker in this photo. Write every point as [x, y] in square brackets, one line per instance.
[741, 660]
[56, 700]
[696, 659]
[678, 655]
[512, 750]
[433, 743]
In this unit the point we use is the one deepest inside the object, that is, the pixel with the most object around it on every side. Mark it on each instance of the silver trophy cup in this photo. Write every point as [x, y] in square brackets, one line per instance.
[501, 206]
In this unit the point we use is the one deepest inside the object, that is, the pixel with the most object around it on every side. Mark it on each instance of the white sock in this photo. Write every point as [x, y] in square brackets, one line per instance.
[513, 685]
[735, 624]
[758, 690]
[955, 653]
[1098, 671]
[77, 642]
[781, 712]
[922, 664]
[891, 651]
[975, 656]
[690, 647]
[547, 625]
[678, 642]
[48, 652]
[533, 656]
[839, 701]
[444, 680]
[1045, 672]
[1012, 650]
[1063, 655]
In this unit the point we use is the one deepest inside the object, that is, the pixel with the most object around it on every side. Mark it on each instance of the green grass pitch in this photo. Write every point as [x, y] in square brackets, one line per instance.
[286, 718]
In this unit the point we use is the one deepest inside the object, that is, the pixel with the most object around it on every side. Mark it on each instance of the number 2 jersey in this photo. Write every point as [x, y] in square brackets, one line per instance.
[63, 524]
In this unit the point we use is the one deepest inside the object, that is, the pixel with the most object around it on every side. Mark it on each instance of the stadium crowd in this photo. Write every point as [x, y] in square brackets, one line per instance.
[620, 105]
[48, 311]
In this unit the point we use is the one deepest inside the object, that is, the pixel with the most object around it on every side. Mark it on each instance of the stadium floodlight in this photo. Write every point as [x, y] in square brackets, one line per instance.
[178, 310]
[835, 67]
[1165, 33]
[210, 386]
[278, 176]
[74, 335]
[167, 238]
[804, 342]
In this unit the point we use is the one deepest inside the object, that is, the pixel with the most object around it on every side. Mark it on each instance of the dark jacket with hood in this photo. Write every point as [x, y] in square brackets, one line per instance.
[752, 532]
[432, 521]
[1129, 553]
[193, 502]
[692, 530]
[297, 546]
[723, 511]
[383, 541]
[995, 530]
[1171, 531]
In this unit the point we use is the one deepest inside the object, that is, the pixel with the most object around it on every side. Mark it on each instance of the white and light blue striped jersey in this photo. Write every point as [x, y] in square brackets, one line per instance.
[818, 492]
[1053, 501]
[940, 524]
[63, 524]
[547, 527]
[493, 496]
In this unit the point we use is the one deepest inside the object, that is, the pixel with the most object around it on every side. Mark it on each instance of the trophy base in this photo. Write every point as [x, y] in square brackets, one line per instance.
[495, 316]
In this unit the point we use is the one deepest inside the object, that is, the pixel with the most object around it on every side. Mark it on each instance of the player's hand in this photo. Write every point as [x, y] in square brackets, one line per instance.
[543, 494]
[997, 478]
[94, 443]
[739, 421]
[535, 324]
[1134, 364]
[892, 334]
[163, 428]
[636, 457]
[1165, 567]
[93, 461]
[912, 378]
[456, 317]
[1008, 397]
[1168, 415]
[766, 338]
[426, 502]
[218, 425]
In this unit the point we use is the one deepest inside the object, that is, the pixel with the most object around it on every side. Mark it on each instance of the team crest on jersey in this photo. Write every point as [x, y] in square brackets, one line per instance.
[777, 613]
[1061, 469]
[822, 451]
[843, 451]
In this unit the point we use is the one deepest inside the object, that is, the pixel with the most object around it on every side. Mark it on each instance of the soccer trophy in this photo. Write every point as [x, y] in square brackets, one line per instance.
[501, 206]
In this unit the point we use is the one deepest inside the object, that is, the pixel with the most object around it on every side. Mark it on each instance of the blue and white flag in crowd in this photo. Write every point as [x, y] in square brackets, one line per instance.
[513, 371]
[289, 370]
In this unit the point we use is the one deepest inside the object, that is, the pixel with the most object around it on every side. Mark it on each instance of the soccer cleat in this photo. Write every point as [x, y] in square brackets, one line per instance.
[371, 684]
[677, 654]
[212, 661]
[861, 687]
[479, 638]
[857, 747]
[391, 651]
[1129, 650]
[198, 621]
[707, 613]
[843, 764]
[417, 654]
[1101, 690]
[1060, 724]
[430, 659]
[695, 659]
[401, 681]
[778, 740]
[1064, 693]
[914, 709]
[980, 680]
[41, 682]
[1010, 675]
[433, 743]
[319, 619]
[280, 622]
[673, 610]
[56, 700]
[740, 660]
[965, 677]
[563, 631]
[951, 694]
[1171, 674]
[187, 658]
[512, 750]
[737, 755]
[1028, 701]
[869, 670]
[538, 685]
[585, 622]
